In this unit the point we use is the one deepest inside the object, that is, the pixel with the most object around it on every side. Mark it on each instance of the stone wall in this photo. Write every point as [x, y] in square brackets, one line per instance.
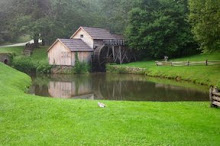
[61, 69]
[5, 58]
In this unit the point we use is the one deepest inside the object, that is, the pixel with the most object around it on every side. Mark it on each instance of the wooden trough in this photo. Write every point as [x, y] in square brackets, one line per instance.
[214, 96]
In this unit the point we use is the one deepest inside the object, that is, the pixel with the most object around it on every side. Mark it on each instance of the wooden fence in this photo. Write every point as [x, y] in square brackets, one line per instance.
[187, 63]
[214, 96]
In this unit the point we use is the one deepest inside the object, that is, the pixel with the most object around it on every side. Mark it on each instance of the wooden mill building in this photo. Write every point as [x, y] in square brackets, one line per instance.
[96, 45]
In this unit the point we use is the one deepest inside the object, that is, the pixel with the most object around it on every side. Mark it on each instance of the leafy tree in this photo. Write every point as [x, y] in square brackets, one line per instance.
[205, 19]
[159, 28]
[115, 14]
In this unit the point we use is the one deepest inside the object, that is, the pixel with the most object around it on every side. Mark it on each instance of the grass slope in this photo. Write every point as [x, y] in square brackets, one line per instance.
[209, 75]
[14, 50]
[40, 55]
[31, 120]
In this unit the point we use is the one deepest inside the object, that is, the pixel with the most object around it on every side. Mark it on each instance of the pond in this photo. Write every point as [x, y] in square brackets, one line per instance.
[101, 86]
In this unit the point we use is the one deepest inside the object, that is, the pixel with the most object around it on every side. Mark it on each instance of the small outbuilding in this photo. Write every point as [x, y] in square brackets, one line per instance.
[64, 52]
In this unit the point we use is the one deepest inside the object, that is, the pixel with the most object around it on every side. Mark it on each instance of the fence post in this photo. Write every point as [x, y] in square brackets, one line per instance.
[206, 62]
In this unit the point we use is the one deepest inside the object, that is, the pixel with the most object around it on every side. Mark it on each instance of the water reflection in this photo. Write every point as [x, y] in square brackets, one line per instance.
[113, 87]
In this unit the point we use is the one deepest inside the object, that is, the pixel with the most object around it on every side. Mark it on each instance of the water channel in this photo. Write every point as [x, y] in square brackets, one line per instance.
[102, 86]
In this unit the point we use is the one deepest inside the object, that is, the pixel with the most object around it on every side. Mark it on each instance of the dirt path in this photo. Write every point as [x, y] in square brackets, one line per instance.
[19, 44]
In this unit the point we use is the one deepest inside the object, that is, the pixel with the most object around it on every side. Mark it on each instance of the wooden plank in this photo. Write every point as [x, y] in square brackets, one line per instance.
[215, 93]
[216, 103]
[216, 98]
[210, 93]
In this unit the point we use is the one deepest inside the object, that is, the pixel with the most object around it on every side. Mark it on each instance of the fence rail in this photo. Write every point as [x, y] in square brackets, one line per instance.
[187, 63]
[214, 96]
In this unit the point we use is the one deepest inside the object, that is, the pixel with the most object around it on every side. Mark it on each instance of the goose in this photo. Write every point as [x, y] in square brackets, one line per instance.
[102, 105]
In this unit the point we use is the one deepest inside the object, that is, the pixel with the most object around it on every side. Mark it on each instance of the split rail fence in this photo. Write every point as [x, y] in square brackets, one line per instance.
[187, 63]
[214, 96]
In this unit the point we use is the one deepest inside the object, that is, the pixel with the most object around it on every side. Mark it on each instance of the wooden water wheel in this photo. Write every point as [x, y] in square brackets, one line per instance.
[102, 55]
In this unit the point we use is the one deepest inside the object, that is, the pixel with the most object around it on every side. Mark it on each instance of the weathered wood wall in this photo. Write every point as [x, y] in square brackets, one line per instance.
[86, 37]
[59, 55]
[98, 43]
[83, 57]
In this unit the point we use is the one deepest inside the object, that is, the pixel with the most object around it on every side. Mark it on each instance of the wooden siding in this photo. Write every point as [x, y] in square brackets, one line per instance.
[98, 43]
[59, 55]
[86, 37]
[83, 57]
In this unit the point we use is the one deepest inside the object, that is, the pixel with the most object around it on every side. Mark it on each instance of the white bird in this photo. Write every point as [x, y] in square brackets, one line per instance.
[102, 105]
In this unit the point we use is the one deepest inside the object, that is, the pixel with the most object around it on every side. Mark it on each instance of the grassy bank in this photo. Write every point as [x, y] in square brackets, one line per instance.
[32, 120]
[13, 50]
[209, 75]
[38, 62]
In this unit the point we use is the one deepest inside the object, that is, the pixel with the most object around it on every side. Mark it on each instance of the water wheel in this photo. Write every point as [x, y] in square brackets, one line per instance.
[102, 55]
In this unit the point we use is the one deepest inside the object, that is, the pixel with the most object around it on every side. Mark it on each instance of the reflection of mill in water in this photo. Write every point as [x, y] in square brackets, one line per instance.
[89, 88]
[112, 87]
[70, 89]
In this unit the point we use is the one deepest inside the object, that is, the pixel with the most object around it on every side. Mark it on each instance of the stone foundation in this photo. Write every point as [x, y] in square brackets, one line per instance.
[5, 58]
[61, 69]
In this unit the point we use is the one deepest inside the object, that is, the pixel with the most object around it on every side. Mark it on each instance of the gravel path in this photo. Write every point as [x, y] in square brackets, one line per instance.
[19, 44]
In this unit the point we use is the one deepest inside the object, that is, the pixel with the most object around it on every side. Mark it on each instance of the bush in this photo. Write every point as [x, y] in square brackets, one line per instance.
[28, 65]
[24, 64]
[43, 68]
[81, 67]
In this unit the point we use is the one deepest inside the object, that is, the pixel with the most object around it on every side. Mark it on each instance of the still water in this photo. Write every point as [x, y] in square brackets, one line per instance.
[103, 86]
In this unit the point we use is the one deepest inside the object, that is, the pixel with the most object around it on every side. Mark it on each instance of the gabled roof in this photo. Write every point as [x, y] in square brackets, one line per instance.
[96, 33]
[74, 45]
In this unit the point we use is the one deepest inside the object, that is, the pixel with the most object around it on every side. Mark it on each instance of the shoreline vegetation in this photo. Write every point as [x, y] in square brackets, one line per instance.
[37, 120]
[204, 75]
[38, 62]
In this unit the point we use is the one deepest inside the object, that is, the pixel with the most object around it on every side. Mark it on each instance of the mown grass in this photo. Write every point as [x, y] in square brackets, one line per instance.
[32, 120]
[13, 50]
[40, 55]
[209, 75]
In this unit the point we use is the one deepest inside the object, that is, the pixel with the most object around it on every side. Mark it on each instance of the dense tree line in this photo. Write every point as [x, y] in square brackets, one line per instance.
[205, 19]
[153, 27]
[160, 28]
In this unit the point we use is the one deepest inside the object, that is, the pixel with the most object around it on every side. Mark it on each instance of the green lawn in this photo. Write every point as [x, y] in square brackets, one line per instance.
[31, 120]
[209, 75]
[14, 50]
[40, 55]
[38, 61]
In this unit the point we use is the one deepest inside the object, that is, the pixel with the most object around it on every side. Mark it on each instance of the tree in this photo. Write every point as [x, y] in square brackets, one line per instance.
[159, 28]
[205, 19]
[115, 14]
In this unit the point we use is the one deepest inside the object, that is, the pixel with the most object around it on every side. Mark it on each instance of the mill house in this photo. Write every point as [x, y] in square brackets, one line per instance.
[91, 45]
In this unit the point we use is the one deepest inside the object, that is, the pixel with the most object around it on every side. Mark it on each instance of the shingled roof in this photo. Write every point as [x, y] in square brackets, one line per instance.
[74, 45]
[96, 33]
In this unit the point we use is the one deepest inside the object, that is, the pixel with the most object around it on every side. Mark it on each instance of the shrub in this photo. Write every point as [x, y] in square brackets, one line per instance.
[23, 64]
[80, 67]
[43, 68]
[28, 65]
